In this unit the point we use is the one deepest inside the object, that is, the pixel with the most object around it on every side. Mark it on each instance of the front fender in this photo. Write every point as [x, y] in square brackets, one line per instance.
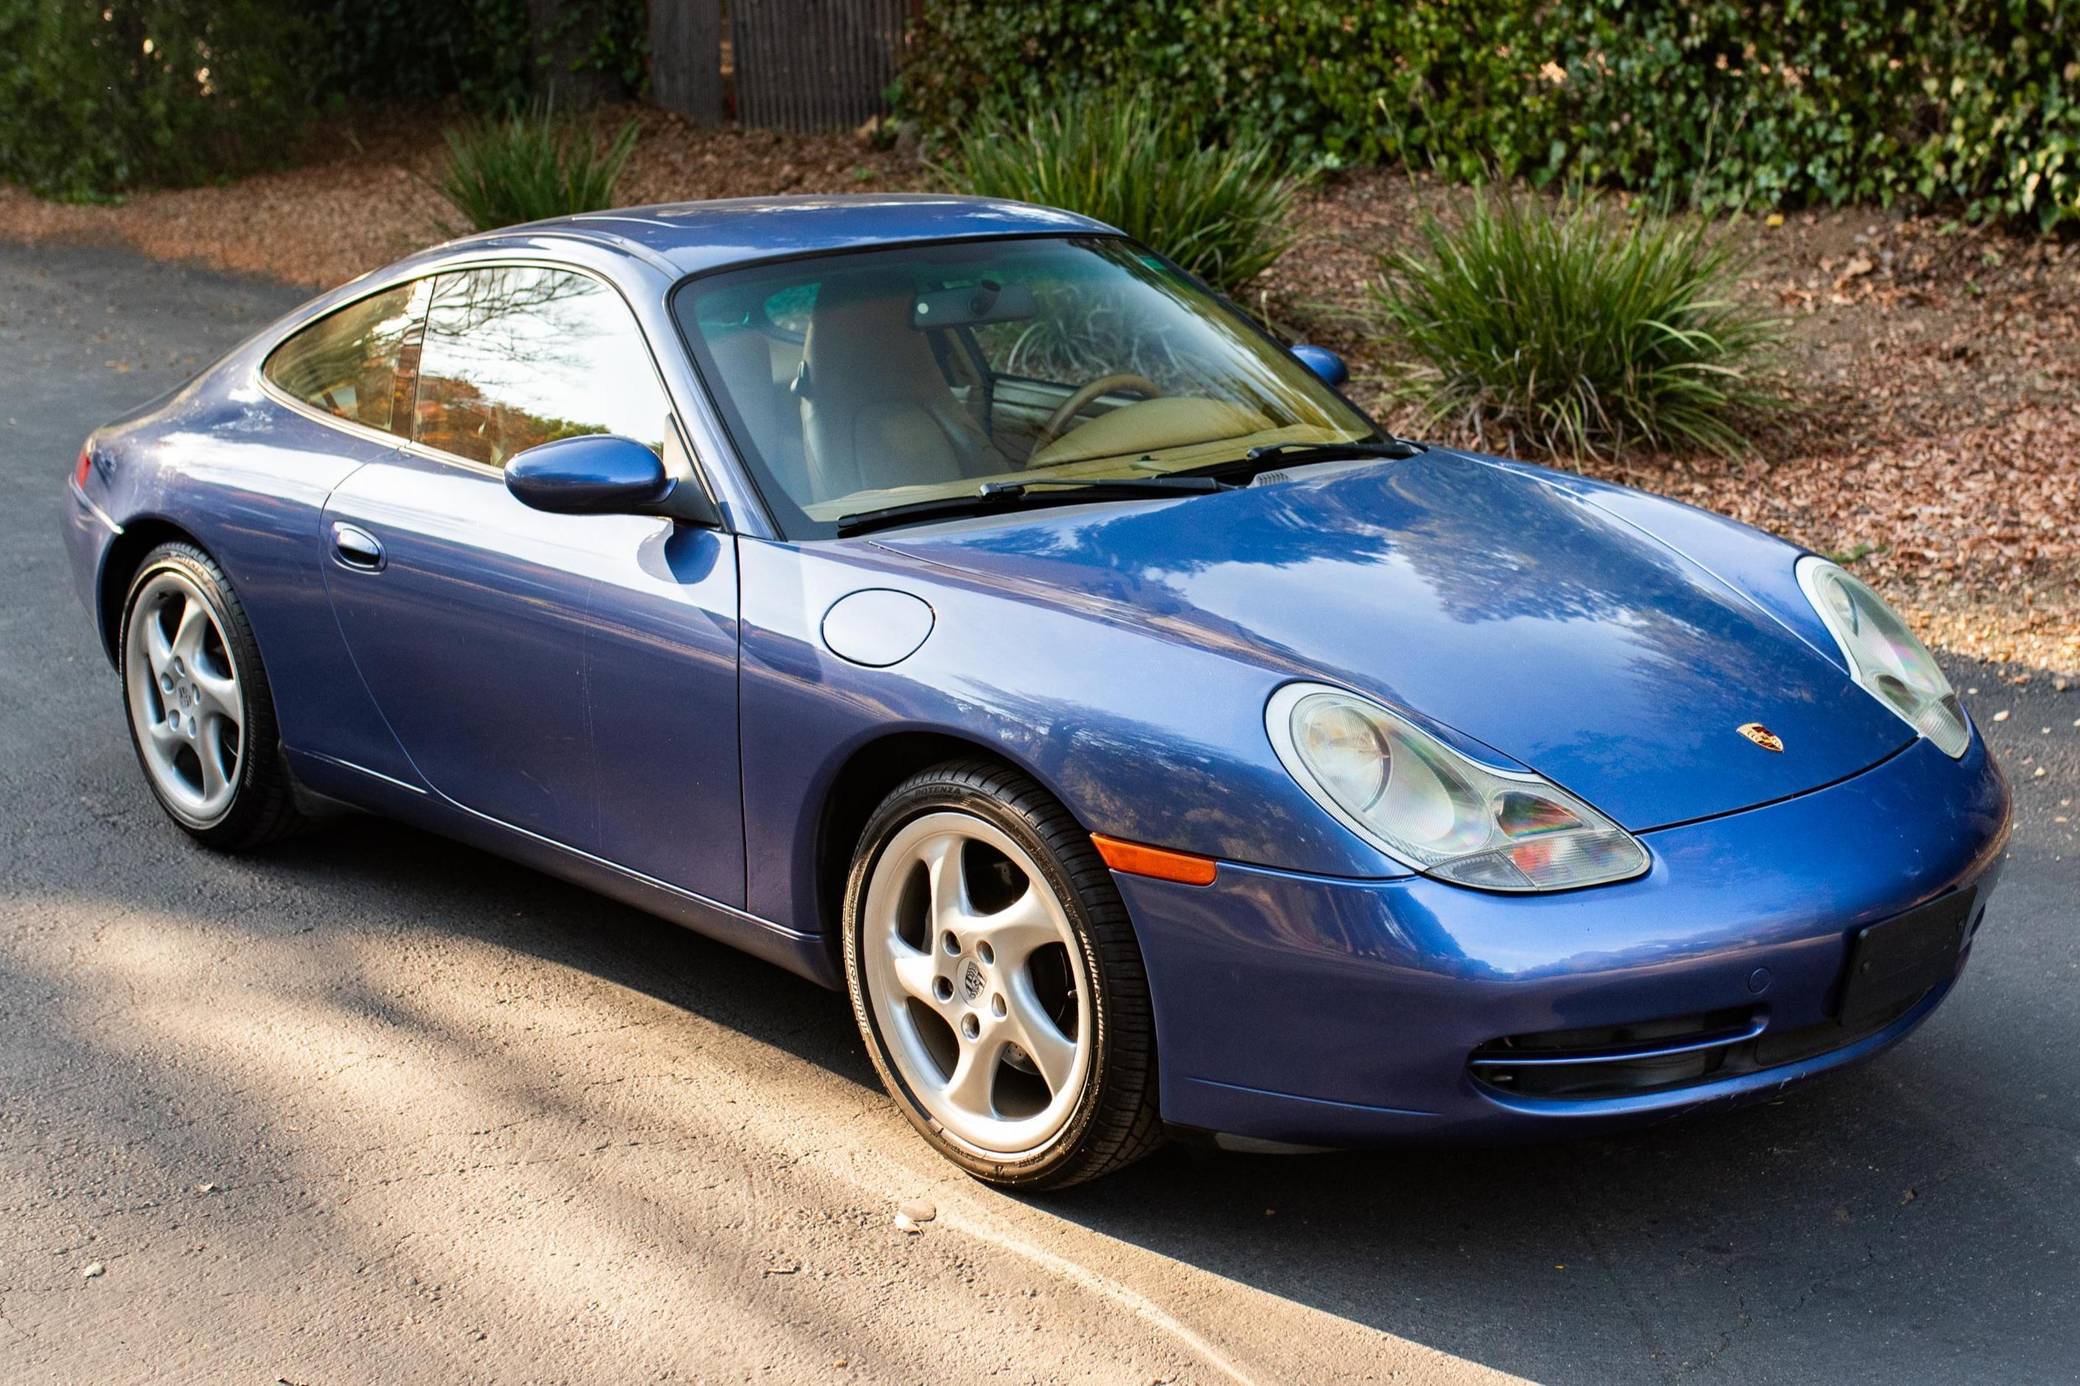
[1142, 735]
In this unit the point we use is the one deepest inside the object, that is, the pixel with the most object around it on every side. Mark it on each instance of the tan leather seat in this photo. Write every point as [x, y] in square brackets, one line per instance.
[876, 409]
[745, 359]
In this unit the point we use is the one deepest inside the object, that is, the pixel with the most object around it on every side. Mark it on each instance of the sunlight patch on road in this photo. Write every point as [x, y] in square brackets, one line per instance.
[595, 1157]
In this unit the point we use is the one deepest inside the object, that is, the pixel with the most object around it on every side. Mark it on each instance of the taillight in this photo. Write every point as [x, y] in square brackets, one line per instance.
[83, 466]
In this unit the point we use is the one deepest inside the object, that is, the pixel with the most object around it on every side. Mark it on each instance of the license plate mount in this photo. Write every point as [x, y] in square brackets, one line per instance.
[1896, 960]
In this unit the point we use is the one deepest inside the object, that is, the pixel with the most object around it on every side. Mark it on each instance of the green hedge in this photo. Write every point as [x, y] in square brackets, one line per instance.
[1966, 104]
[485, 51]
[101, 96]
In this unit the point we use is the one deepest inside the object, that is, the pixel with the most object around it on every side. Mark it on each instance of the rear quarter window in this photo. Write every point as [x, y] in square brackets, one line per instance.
[355, 363]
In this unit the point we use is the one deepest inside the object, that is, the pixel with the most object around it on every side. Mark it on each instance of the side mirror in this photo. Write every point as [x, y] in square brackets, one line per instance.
[595, 474]
[1324, 363]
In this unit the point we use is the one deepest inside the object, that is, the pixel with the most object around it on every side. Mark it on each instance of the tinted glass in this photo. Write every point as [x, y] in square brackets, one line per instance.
[355, 362]
[519, 356]
[857, 380]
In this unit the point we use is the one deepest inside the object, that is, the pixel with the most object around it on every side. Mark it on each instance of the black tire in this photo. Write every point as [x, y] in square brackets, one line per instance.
[1115, 1121]
[263, 799]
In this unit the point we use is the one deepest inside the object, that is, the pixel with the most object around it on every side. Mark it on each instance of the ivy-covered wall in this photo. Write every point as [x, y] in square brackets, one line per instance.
[1965, 104]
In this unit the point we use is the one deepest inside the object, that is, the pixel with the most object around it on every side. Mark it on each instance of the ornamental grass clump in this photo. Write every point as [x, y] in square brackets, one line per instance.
[529, 165]
[1577, 330]
[1221, 210]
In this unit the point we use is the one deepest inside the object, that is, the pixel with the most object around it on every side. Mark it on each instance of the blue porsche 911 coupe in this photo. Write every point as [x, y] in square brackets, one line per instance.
[956, 603]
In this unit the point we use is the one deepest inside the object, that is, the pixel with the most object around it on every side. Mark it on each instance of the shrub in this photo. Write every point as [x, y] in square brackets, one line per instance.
[1576, 330]
[1970, 104]
[1137, 163]
[97, 96]
[530, 165]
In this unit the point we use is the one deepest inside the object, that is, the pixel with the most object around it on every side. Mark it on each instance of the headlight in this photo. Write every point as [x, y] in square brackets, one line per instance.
[1433, 809]
[1883, 655]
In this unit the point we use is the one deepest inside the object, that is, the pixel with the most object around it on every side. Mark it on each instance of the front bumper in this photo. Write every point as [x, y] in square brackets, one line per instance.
[1309, 1010]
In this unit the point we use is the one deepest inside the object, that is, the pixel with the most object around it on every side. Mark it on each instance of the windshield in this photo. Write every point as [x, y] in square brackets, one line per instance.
[860, 380]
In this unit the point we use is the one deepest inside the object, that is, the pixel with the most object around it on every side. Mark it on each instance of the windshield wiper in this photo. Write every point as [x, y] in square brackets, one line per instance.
[1399, 448]
[993, 495]
[1143, 485]
[1263, 458]
[943, 508]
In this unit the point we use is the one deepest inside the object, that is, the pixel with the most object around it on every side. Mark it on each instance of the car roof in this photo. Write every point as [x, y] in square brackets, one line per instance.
[697, 236]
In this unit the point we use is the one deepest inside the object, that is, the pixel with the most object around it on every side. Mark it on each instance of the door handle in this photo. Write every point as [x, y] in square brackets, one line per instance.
[355, 547]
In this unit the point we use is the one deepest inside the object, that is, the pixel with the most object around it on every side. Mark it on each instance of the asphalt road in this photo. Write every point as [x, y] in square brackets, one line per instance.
[376, 1107]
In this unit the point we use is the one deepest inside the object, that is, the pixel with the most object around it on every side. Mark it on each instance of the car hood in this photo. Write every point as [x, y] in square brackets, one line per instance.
[1480, 599]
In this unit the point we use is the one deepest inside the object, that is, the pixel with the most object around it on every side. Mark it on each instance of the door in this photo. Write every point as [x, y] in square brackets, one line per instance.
[572, 676]
[332, 407]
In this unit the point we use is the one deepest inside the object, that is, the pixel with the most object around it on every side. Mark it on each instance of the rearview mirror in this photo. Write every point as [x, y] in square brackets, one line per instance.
[973, 306]
[596, 474]
[1324, 363]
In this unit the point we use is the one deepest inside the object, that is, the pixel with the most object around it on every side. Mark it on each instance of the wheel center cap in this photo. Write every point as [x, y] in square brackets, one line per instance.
[971, 980]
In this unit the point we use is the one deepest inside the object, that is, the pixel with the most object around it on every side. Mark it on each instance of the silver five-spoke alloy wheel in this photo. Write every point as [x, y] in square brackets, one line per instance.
[183, 690]
[976, 983]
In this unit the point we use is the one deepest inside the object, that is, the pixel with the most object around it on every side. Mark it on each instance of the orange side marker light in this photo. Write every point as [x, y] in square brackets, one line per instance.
[1164, 865]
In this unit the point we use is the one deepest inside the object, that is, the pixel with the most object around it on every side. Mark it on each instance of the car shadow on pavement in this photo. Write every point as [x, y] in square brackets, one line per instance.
[512, 906]
[254, 1082]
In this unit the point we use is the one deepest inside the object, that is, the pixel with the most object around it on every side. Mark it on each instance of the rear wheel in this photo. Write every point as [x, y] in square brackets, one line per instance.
[996, 979]
[200, 712]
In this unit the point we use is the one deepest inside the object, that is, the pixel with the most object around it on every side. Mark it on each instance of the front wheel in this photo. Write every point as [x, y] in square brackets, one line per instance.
[997, 982]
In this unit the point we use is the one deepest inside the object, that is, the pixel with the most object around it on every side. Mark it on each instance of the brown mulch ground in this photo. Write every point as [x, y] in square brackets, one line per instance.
[1939, 366]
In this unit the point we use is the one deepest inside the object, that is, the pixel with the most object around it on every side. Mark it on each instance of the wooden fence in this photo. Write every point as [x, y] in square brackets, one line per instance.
[789, 64]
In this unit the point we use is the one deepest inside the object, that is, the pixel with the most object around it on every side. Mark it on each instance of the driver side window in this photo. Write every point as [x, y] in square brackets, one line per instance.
[520, 355]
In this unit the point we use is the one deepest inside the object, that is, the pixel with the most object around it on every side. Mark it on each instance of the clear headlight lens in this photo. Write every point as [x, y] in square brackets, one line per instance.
[1883, 655]
[1436, 810]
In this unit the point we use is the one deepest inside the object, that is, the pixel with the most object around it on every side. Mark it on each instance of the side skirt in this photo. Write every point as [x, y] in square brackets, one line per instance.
[804, 954]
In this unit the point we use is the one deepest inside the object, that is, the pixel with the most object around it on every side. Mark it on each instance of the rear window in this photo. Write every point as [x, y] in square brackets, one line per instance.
[354, 363]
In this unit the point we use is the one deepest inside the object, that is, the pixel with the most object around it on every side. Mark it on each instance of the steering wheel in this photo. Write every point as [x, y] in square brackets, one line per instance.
[1081, 400]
